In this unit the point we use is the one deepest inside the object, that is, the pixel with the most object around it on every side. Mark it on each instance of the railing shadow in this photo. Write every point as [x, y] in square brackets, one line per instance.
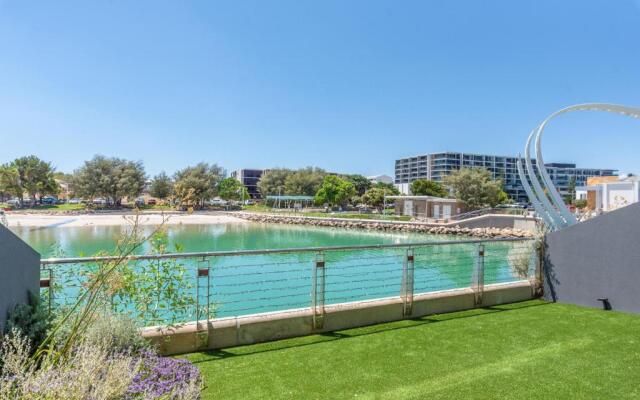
[325, 337]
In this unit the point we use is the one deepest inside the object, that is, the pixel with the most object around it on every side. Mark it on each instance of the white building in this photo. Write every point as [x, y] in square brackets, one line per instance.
[436, 166]
[609, 194]
[404, 188]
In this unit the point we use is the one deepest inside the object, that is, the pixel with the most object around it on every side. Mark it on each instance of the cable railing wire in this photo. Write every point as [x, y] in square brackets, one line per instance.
[237, 283]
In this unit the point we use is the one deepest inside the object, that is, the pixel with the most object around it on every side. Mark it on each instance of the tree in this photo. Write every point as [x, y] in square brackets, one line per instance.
[389, 188]
[29, 175]
[570, 197]
[194, 185]
[231, 189]
[474, 187]
[161, 186]
[10, 181]
[130, 180]
[426, 187]
[335, 191]
[374, 197]
[95, 178]
[273, 181]
[503, 197]
[361, 183]
[111, 178]
[304, 182]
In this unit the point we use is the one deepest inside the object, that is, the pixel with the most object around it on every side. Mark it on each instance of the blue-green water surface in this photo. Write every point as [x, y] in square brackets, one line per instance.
[256, 283]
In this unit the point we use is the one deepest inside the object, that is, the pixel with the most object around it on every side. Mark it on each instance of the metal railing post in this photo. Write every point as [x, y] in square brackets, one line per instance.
[406, 289]
[539, 278]
[478, 277]
[48, 284]
[317, 291]
[202, 332]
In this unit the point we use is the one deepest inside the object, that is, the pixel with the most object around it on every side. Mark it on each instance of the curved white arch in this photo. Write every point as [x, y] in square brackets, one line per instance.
[557, 213]
[537, 192]
[527, 188]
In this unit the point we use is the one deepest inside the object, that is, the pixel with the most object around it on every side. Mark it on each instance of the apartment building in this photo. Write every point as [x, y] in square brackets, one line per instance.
[249, 178]
[436, 166]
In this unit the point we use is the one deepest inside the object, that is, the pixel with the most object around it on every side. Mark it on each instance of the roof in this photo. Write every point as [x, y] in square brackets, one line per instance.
[303, 198]
[430, 198]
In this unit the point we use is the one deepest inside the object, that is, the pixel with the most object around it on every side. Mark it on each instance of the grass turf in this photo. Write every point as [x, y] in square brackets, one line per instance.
[529, 350]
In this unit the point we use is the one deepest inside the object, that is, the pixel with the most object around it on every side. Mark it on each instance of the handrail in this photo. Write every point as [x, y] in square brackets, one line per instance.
[78, 260]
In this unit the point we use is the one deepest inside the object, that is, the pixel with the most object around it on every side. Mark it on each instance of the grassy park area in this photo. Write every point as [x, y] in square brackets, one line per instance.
[532, 350]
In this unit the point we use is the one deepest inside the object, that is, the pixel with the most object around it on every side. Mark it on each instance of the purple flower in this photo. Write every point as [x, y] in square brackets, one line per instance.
[162, 376]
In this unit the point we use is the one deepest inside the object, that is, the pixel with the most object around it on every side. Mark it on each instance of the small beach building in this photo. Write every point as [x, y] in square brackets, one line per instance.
[426, 206]
[605, 194]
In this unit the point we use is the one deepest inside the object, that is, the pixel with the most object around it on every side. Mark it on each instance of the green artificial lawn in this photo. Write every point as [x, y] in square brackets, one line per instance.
[529, 350]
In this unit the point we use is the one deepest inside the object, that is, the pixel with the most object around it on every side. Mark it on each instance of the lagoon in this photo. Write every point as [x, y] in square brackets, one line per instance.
[256, 283]
[89, 240]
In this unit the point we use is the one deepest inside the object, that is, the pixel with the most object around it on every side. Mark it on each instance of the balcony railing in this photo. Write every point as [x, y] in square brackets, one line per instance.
[175, 288]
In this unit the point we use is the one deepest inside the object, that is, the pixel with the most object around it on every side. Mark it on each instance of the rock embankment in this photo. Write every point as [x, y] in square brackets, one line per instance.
[388, 226]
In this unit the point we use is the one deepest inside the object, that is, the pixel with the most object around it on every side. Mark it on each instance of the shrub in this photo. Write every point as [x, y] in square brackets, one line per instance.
[520, 258]
[581, 203]
[164, 377]
[32, 320]
[102, 365]
[92, 355]
[117, 332]
[86, 372]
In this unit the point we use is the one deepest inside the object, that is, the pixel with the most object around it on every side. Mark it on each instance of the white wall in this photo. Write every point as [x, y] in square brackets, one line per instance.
[404, 188]
[619, 194]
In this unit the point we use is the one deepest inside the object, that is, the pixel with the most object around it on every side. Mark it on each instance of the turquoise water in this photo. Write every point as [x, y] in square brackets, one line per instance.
[249, 284]
[88, 241]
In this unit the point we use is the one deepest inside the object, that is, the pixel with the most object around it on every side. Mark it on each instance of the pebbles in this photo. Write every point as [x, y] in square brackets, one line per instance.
[387, 226]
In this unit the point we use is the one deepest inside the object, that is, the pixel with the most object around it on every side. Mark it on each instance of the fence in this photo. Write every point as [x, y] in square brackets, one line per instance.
[176, 288]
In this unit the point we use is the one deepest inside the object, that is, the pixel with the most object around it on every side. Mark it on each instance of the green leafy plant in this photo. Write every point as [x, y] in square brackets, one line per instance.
[335, 191]
[32, 320]
[157, 291]
[475, 188]
[426, 187]
[94, 295]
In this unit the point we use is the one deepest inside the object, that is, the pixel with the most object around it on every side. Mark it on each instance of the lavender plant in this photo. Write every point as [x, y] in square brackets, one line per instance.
[163, 377]
[92, 355]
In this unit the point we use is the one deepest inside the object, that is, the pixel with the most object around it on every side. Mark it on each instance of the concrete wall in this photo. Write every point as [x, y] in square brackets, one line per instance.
[598, 258]
[19, 272]
[524, 223]
[229, 332]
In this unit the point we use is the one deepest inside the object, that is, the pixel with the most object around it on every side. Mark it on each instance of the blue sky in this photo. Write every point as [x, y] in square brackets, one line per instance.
[345, 85]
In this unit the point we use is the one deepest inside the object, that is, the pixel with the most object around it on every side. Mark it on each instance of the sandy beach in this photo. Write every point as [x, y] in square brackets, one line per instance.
[39, 220]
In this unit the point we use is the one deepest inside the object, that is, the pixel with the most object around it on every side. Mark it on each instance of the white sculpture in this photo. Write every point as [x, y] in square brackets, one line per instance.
[552, 208]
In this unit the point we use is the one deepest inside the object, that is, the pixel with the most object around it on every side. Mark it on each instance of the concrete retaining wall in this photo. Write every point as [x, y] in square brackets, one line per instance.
[478, 226]
[598, 258]
[500, 221]
[19, 272]
[229, 332]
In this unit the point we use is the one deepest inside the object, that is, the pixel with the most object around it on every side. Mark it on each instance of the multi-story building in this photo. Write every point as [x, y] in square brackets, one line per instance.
[249, 178]
[435, 166]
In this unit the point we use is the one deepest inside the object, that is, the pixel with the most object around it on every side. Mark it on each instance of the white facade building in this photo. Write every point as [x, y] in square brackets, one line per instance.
[435, 166]
[611, 195]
